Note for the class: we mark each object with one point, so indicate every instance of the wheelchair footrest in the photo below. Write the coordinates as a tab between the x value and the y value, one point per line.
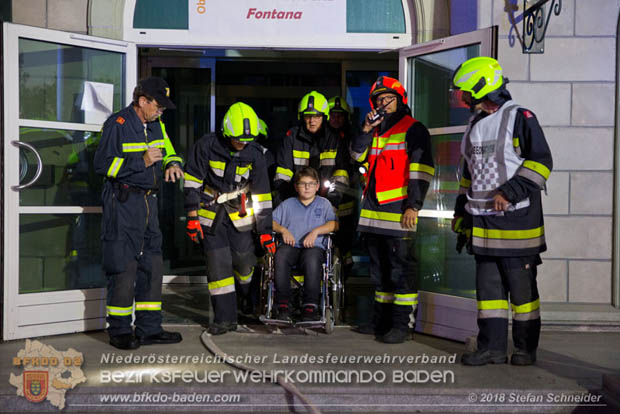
278	322
310	324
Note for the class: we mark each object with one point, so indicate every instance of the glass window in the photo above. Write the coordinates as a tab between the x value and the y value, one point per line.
52	76
161	14
375	16
441	269
430	82
68	177
59	252
445	186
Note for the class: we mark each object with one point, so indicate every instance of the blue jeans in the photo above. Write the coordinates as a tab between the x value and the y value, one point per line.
309	262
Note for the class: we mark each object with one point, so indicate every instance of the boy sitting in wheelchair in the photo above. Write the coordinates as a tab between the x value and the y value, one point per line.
302	221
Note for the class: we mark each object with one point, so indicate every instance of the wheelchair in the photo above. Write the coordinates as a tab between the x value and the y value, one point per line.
331	302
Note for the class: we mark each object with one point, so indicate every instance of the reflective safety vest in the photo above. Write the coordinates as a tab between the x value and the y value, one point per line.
389	162
492	159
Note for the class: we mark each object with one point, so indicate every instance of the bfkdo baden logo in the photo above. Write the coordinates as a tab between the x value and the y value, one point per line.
47	373
35	385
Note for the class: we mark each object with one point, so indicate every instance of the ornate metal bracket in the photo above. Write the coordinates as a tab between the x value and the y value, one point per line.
534	24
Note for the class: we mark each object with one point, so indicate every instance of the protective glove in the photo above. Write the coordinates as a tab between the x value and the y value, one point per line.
462	226
194	229
267	243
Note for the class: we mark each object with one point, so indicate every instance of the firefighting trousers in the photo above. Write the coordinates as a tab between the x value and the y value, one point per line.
229	255
344	237
132	261
393	271
497	280
309	262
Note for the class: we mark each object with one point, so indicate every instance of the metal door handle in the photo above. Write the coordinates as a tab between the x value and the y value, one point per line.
39	165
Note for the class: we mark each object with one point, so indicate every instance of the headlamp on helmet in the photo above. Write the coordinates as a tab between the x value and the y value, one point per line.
338	104
240	122
313	103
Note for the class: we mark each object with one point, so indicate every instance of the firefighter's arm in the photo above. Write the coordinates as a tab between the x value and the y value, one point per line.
533	173
171	161
261	195
284	161
360	146
464	185
284	167
109	158
421	165
195	171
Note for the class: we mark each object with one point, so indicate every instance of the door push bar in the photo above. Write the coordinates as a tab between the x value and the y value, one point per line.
39	165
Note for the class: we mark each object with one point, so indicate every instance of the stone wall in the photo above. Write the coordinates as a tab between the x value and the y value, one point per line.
67	15
571	88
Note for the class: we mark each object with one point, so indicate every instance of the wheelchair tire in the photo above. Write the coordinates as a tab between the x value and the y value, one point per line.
329	321
337	296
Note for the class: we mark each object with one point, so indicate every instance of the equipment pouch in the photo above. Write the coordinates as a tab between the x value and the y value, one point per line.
122	194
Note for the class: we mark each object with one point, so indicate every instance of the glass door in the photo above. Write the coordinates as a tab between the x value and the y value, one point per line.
58	90
447	305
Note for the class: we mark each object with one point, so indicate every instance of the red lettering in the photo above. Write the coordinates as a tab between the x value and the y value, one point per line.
273	14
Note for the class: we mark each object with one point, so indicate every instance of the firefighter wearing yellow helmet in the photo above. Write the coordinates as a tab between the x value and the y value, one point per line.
227	195
347	181
397	149
311	143
507	164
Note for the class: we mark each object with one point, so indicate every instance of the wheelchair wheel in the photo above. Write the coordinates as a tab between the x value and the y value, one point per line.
329	321
338	293
265	293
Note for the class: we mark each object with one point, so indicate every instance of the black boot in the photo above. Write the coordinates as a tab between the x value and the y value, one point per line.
397	336
125	341
381	321
483	357
164	337
523	357
220	328
403	320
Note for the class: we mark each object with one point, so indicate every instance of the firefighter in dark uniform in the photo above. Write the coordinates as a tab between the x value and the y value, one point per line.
311	144
346	179
227	195
507	164
397	149
133	152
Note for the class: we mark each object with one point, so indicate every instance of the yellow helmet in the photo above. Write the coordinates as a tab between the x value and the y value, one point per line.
479	76
313	103
263	129
338	104
240	122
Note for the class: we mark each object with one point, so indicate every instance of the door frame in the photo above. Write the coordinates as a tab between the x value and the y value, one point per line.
57	312
443	315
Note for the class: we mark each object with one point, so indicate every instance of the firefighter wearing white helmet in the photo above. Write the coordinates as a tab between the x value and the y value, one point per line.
312	144
227	195
499	212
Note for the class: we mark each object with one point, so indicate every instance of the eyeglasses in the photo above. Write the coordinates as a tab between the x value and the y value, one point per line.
307	185
386	98
159	107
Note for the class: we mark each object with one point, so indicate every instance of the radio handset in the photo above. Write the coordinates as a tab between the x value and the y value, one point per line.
380	112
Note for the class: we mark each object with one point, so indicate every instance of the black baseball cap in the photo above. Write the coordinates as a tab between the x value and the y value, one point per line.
158	89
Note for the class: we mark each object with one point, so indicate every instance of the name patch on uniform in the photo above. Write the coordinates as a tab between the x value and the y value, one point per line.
482	149
120	120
